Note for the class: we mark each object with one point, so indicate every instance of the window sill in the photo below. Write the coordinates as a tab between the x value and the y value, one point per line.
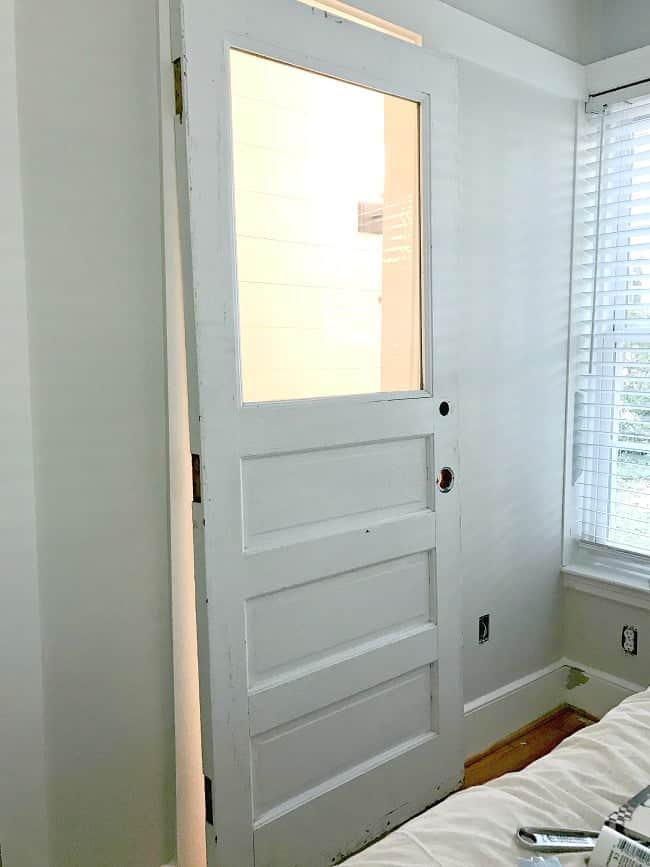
609	583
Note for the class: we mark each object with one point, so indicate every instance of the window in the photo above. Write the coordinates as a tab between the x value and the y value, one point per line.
611	330
360	16
327	212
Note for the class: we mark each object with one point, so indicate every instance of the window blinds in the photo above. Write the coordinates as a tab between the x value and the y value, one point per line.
611	326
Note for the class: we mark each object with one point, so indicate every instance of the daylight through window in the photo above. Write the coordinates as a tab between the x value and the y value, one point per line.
611	324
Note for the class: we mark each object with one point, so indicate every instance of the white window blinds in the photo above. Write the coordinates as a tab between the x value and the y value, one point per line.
611	321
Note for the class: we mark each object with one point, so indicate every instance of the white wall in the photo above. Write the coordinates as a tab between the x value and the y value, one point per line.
593	635
23	811
610	27
89	126
517	171
553	24
452	31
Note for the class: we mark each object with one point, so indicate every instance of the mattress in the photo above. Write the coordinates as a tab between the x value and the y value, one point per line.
575	786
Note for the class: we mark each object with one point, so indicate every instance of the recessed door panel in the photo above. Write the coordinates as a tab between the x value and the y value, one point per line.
304	491
335	614
293	761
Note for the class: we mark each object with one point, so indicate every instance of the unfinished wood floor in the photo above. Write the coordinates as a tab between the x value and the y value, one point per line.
525	745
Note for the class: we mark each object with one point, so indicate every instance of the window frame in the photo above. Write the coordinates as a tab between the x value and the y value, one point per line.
596	567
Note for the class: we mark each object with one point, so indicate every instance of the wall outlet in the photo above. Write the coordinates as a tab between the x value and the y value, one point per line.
630	640
483	628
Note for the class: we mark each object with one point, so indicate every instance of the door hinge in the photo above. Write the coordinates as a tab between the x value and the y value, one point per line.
196	478
209	813
178	88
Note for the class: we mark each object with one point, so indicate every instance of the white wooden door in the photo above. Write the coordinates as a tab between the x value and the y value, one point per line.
322	197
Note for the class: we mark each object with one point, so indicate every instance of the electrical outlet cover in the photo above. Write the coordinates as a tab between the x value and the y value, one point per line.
630	640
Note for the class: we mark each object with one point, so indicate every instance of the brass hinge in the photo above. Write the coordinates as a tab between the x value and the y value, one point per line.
178	88
196	478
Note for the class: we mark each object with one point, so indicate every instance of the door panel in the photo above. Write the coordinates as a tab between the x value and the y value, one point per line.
377	600
290	761
297	495
345	673
369	801
329	626
268	571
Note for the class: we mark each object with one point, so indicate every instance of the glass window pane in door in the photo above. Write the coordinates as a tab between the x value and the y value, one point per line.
327	210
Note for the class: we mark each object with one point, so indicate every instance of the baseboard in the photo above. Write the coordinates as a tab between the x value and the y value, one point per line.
595	691
493	717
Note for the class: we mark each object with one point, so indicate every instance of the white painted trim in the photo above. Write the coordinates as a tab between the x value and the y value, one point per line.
448	30
611	679
601	692
190	806
509	688
618	71
353	13
624	591
496	715
568	488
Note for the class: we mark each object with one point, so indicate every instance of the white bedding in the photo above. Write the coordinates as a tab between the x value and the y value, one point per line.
576	786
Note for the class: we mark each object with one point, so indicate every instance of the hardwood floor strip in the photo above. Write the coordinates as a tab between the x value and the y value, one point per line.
525	745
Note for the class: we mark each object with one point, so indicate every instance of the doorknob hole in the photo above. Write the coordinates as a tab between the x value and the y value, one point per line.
444	408
445	480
